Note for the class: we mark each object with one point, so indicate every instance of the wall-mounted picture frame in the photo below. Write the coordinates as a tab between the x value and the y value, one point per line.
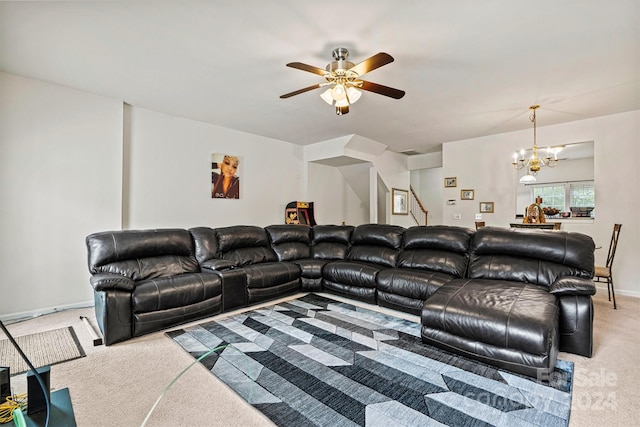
486	207
466	194
451	182
399	201
225	182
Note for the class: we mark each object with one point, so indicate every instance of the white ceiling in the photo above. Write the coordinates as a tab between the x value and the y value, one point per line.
470	68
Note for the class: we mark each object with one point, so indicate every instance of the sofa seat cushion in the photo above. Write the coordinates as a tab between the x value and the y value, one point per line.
270	274
353	279
416	284
406	289
176	291
353	273
513	325
311	268
271	280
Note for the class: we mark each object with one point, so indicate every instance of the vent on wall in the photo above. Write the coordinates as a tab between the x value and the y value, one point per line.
410	152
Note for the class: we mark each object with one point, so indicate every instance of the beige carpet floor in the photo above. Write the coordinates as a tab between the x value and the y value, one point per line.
118	385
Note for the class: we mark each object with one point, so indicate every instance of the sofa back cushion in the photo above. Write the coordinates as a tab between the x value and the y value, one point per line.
205	243
330	241
436	248
142	254
290	242
530	256
376	243
244	245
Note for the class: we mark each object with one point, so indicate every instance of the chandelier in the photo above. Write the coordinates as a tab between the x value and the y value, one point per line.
534	163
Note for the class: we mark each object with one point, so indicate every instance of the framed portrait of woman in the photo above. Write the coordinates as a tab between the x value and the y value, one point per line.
225	181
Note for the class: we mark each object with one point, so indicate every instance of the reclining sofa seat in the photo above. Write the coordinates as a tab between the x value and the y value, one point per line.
248	248
430	257
146	280
374	247
518	301
310	248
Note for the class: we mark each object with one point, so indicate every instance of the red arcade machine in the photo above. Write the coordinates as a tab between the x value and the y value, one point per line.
299	213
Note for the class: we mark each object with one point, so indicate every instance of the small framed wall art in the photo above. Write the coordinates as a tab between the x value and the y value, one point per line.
451	182
399	202
486	207
466	194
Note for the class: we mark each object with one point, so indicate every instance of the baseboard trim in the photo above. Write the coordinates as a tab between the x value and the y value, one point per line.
635	294
24	315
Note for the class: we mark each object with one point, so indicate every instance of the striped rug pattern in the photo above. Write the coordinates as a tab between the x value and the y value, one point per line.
317	361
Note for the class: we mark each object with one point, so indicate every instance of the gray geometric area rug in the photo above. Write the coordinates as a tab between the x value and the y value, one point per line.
42	348
318	361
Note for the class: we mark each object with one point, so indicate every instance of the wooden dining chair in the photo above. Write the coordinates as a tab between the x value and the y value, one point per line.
604	274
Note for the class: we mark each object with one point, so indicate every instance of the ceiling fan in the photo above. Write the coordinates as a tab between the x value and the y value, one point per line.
343	79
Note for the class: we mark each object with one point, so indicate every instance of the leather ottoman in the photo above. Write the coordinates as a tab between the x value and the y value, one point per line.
512	325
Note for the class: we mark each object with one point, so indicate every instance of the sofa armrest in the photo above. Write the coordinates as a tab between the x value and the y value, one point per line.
570	285
217	264
104	281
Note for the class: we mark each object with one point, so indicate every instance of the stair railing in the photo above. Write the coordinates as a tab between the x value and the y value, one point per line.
418	212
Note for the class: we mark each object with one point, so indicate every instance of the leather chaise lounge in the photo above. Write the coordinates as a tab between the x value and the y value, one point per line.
511	298
524	298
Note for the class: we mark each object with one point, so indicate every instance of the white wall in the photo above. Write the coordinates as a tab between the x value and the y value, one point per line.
334	199
169	174
484	164
324	186
60	175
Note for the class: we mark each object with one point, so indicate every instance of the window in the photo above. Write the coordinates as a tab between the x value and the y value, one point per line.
564	196
583	194
552	195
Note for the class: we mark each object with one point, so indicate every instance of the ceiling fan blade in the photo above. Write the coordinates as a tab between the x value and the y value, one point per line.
382	90
299	91
376	61
309	68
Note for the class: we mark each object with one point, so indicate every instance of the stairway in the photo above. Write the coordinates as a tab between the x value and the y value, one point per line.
416	208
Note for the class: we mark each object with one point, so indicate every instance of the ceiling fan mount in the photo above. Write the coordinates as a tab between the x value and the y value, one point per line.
340	63
344	80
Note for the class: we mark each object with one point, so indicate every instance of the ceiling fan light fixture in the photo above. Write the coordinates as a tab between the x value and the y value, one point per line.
353	94
344	80
326	96
342	103
339	92
342	110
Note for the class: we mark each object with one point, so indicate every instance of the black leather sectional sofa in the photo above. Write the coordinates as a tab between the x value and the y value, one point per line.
512	298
